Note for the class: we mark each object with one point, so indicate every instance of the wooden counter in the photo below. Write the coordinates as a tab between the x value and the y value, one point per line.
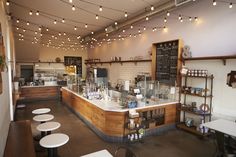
110	122
39	92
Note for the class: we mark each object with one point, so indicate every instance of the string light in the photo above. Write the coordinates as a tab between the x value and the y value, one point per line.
30	13
126	15
231	5
147	18
75	28
40	28
190	18
17	28
139	30
144	28
92	32
37	13
123	31
24	30
100	8
27	23
73	8
168	13
152	8
47	29
70	1
196	19
96	17
63	20
165	20
181	20
106	29
17	21
86	26
55	22
131	26
180	17
7	3
116	23
214	3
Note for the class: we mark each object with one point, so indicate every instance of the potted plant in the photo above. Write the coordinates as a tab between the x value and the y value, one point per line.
3	63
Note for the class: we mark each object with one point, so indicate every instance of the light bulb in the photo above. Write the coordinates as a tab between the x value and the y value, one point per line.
64	33
24	30
180	17
17	21
196	19
231	5
55	22
63	20
59	34
7	3
78	37
73	8
144	28
126	15
106	29
123	31
100	8
70	1
190	18
168	13
147	18
92	32
30	13
96	17
75	28
152	8
107	35
139	30
131	26
40	28
165	20
27	23
214	3
86	26
116	23
47	29
37	13
17	28
181	20
35	32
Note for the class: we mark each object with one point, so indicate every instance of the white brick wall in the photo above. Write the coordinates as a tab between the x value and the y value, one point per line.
125	71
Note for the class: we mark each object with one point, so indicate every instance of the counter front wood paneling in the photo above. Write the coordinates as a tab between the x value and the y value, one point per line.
110	123
42	92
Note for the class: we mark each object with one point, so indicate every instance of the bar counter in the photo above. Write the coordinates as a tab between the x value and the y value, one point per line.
108	119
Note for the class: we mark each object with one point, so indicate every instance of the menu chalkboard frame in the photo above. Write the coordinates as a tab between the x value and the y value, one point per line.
74	60
165	61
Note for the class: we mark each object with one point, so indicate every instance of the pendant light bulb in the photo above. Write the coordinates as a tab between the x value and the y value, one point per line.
190	19
196	19
131	26
27	23
126	15
96	17
73	8
70	1
231	5
63	20
37	13
86	26
168	13
17	21
214	3
165	19
75	28
55	22
152	8
47	29
116	23
100	8
147	18
7	3
144	28
180	17
30	13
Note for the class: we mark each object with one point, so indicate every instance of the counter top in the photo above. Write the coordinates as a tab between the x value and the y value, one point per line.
114	106
39	86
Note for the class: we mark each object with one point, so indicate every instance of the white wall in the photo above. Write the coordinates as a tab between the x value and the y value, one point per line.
212	35
5	97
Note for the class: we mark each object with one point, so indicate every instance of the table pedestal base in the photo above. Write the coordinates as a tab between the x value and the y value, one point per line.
52	152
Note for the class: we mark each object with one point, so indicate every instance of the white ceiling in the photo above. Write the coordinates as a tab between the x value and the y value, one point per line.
85	13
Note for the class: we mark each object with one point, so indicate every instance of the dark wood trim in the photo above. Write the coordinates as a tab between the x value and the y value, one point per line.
124	61
223	58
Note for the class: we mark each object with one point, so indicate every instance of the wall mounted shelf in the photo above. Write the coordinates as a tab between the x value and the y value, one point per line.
120	62
39	62
223	58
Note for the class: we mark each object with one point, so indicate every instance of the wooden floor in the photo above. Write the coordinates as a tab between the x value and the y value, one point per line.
175	143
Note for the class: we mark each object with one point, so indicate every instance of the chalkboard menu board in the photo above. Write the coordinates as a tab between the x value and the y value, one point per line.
167	61
77	61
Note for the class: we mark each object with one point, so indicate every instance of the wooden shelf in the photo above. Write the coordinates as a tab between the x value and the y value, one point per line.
190	129
184	92
121	62
192	112
40	62
223	58
208	76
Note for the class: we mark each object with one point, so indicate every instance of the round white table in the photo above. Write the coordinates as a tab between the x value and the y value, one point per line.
43	118
41	111
48	127
52	142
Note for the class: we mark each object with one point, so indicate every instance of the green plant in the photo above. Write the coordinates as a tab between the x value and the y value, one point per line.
3	63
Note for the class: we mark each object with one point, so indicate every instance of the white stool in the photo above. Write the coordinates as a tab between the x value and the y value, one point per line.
41	111
42	118
52	142
48	127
